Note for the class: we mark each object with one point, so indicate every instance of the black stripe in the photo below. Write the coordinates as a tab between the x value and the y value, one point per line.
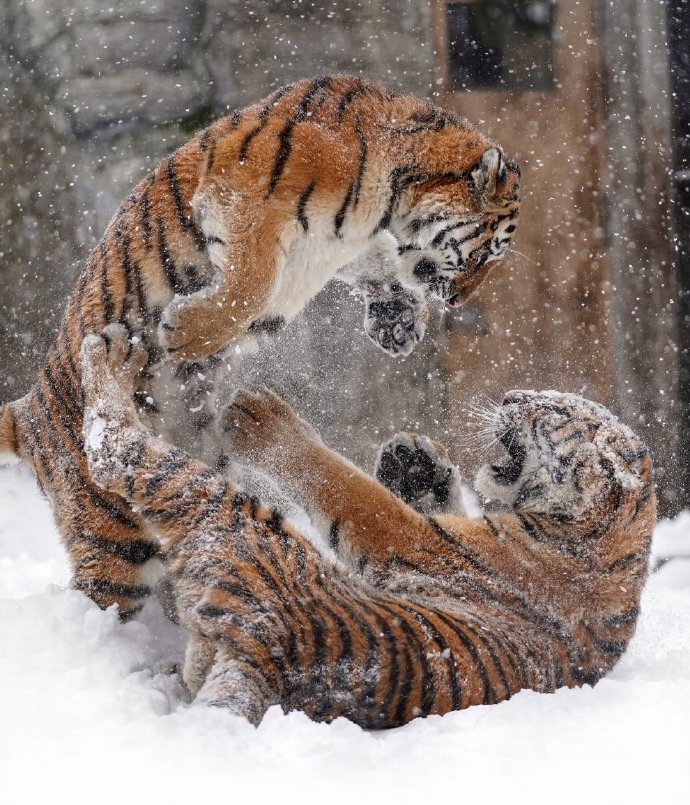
142	302
291	551
262	117
417	224
90	292
55	382
285	136
400	176
132	271
281	585
627	561
393	676
244	411
136	551
344	661
302	203
621	619
334	535
284	149
488	696
125	260
483	638
113	588
69	350
340	215
145	207
167	261
494	531
610	647
428	626
133	456
36	447
61	374
317	627
127	614
489	594
232	124
108	306
185	219
109	508
455	242
357	611
204	138
162	473
432	120
363	151
214	239
426	674
63	414
347	99
537	532
403	694
645	496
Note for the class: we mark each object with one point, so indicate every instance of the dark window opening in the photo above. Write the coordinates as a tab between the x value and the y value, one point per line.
501	44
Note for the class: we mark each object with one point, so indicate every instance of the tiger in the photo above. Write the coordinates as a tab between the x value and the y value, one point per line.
227	240
402	612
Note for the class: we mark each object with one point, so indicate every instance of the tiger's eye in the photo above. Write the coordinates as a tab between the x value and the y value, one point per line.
425	269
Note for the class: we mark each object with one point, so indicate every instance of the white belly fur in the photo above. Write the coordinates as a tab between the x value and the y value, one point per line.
311	260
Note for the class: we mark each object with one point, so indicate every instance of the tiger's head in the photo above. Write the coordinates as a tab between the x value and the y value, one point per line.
567	457
457	227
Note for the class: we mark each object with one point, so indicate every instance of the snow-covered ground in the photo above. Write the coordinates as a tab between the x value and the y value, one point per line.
86	715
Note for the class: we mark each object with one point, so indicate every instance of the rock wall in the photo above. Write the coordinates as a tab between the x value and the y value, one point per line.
92	95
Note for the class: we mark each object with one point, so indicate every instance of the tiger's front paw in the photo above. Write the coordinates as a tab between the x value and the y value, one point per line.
421	473
110	365
395	318
189	330
262	428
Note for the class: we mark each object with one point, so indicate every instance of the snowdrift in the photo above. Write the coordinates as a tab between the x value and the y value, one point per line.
90	715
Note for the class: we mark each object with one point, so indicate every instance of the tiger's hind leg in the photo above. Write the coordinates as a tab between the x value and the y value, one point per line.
113	556
198	661
237	685
420	472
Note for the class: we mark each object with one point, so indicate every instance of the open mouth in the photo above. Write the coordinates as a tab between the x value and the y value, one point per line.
455	301
508	473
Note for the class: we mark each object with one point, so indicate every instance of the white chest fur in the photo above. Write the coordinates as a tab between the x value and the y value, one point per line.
308	262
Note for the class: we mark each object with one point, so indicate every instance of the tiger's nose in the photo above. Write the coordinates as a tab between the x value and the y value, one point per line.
517	396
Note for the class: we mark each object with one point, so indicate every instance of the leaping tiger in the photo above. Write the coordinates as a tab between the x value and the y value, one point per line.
421	613
228	238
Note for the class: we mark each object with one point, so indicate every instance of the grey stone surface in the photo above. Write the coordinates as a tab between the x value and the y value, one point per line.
132	96
93	94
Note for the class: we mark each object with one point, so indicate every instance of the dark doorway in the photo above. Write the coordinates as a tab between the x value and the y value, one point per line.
679	43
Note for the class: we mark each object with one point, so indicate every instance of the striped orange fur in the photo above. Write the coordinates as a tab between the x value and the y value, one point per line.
228	238
419	614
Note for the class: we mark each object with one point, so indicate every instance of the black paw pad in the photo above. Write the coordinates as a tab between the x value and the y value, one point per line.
393	321
415	475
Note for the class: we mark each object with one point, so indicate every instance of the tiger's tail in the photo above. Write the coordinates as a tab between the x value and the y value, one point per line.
8	434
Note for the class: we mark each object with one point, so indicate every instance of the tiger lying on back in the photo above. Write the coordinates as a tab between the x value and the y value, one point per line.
421	614
229	238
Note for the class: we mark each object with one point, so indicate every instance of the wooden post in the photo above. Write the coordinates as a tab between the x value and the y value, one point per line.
644	294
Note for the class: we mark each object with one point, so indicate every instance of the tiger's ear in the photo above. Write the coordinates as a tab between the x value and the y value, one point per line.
488	173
